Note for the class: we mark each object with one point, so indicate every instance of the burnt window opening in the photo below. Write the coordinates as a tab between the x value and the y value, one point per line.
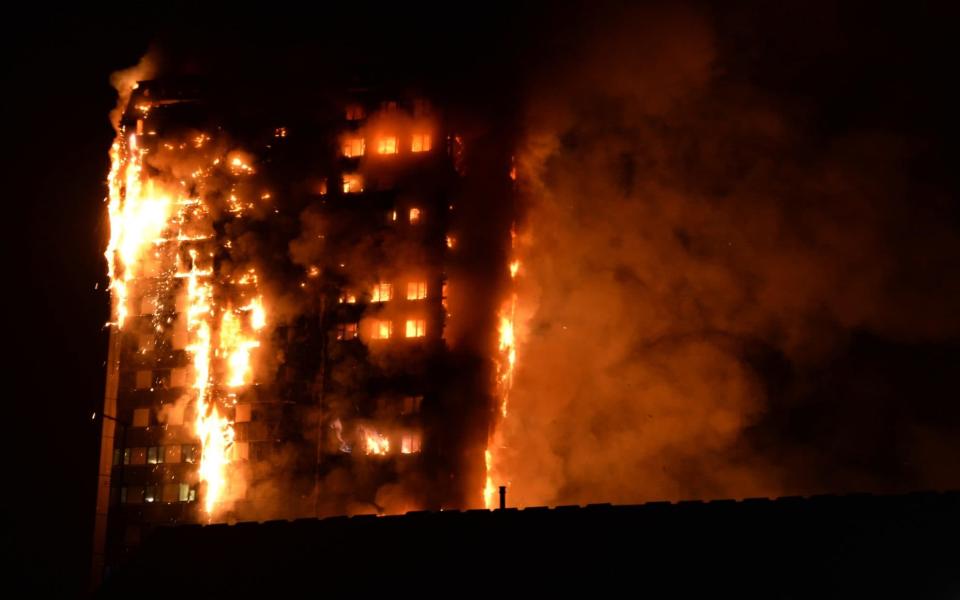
411	405
353	146
382	292
346	331
352	183
354	112
188	453
410	442
414	216
382	329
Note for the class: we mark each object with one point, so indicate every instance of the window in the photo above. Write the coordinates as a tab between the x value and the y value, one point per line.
382	330
242	413
388	105
280	132
126	456
144	380
188	452
414	215
117	456
416	328
355	112
320	187
410	443
420	107
170	493
155	455
131	495
388	144
353	146
352	183
186	493
178	378
171	454
148	305
411	405
348	297
150	493
382	292
392	215
420	142
241	451
416	290
141	416
346	331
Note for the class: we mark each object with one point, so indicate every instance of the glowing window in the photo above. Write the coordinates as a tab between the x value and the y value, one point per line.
155	455
346	331
353	146
320	187
352	183
382	292
410	443
420	142
348	298
388	145
186	494
414	215
150	494
416	290
354	112
138	456
382	330
242	414
416	328
188	453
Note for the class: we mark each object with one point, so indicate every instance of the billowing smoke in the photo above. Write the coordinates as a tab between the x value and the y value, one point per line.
717	300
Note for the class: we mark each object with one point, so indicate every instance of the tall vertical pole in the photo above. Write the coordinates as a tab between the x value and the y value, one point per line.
107	438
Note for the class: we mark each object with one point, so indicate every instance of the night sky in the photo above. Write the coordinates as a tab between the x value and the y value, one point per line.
857	67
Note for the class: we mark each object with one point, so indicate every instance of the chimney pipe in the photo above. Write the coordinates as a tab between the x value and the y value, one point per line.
503	497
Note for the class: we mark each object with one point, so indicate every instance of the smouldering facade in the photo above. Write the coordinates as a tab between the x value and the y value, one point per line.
280	280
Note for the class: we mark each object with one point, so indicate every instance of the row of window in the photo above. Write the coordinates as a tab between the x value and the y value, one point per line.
356	112
156	455
382	329
354	145
383	292
168	493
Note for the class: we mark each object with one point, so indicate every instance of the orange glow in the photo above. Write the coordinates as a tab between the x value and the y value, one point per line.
382	292
382	329
420	142
414	215
374	443
353	146
352	183
416	328
388	145
416	290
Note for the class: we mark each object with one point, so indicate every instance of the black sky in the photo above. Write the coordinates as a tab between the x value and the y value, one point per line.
855	66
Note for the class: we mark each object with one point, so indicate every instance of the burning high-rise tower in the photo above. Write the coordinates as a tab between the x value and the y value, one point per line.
285	338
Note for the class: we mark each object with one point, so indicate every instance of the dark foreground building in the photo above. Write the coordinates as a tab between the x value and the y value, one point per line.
824	546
